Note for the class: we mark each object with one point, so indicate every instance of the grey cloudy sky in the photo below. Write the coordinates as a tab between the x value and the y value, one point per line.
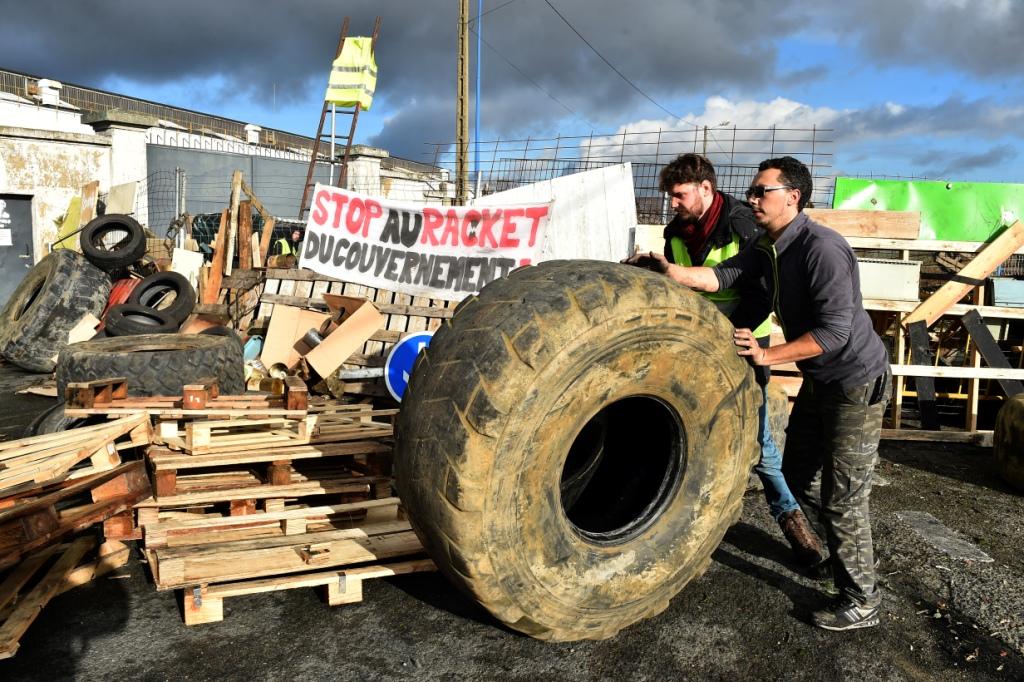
940	78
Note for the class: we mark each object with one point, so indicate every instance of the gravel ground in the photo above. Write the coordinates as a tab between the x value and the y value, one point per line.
746	618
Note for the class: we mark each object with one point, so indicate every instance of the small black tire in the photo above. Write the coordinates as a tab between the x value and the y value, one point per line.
570	375
52	298
221	330
151	291
1008	442
128	249
155	364
128	319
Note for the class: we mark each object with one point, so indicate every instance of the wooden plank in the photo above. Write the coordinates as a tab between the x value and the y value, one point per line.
268	232
26	611
992	353
925	245
158	534
980	267
878	224
925	385
235	589
385	308
112	555
982	438
90	193
934	372
260	492
957	310
28	567
191	567
244	235
236	196
211	290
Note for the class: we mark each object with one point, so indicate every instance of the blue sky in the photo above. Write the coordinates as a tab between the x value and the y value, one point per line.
928	88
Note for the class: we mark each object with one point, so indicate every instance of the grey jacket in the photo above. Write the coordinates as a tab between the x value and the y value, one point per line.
814	287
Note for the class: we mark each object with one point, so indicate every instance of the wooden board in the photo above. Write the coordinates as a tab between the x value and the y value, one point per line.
178	567
876	224
27	609
205	604
978	269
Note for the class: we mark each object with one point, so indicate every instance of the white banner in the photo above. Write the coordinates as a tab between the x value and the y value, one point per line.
436	251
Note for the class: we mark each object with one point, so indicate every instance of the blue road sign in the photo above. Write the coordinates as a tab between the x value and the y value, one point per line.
399	363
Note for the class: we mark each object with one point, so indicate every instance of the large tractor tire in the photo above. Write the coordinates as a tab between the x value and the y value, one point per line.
53	297
155	364
1008	442
574	444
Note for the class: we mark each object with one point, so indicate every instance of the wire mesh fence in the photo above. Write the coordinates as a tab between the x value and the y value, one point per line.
735	153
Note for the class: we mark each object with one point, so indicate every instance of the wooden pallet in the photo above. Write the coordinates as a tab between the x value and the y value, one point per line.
44	518
277	463
177	567
39	459
205	603
38	578
242	491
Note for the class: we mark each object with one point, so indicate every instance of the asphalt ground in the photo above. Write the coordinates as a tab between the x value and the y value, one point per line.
944	618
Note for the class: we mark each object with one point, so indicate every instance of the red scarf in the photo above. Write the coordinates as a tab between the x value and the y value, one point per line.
695	235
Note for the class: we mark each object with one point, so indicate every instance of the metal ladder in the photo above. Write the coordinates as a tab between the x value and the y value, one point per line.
332	136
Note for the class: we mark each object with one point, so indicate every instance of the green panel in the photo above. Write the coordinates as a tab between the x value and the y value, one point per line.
953	211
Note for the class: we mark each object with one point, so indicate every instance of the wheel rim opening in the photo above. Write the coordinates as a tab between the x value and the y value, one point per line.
112	239
159	297
622	469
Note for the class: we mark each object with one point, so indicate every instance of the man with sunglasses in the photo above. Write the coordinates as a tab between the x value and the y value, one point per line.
710	227
835	426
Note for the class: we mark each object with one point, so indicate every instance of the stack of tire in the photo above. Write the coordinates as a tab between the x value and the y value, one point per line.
156	305
141	324
141	344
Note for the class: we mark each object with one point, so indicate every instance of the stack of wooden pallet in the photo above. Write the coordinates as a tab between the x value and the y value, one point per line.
52	488
255	494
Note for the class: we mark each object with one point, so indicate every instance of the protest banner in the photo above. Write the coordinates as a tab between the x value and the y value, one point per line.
443	252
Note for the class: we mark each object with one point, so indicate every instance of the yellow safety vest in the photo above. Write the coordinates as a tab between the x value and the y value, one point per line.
353	75
284	246
726	297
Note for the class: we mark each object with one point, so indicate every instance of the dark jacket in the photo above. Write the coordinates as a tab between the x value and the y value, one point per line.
734	219
814	287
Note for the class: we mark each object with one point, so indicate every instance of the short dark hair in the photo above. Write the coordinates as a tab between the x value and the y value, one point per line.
687	168
794	173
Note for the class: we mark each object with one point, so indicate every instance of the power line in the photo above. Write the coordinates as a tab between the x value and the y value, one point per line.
493	9
612	66
532	81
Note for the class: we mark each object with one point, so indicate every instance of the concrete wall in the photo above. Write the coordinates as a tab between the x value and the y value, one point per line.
51	167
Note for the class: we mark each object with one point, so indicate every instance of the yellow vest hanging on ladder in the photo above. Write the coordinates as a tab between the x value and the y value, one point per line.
353	74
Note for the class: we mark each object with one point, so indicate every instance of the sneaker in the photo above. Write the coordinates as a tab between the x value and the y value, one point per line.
802	538
844	614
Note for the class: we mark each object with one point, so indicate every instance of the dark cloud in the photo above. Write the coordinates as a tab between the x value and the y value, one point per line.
669	49
945	164
953	117
980	37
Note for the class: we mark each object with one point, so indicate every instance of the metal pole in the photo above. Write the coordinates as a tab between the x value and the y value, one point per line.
476	127
461	107
334	112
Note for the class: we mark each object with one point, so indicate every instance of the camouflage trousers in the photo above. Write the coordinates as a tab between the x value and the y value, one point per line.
831	450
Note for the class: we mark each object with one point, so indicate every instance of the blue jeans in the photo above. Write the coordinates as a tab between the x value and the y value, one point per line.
769	467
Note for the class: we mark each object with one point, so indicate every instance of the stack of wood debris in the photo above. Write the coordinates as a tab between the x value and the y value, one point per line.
258	493
54	489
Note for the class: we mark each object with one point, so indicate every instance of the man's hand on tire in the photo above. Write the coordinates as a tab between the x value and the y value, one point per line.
655	262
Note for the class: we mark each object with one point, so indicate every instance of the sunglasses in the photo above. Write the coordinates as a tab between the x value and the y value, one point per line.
758	191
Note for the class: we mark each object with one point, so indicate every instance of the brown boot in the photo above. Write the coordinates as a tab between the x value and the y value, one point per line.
803	539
